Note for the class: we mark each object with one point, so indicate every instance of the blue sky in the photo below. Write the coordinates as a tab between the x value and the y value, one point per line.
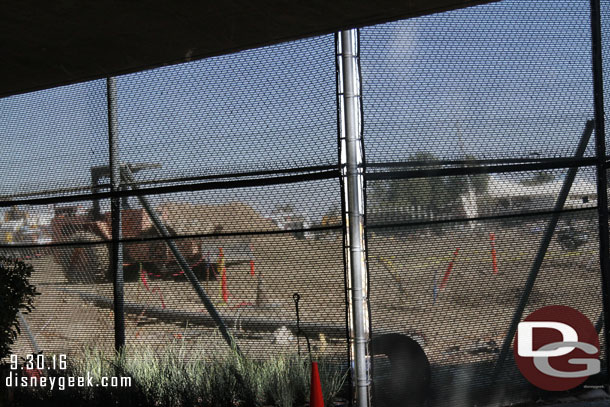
501	80
508	78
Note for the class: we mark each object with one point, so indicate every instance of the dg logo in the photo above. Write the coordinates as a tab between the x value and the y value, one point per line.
557	348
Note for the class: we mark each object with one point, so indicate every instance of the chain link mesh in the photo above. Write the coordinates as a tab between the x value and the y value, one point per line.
238	158
471	119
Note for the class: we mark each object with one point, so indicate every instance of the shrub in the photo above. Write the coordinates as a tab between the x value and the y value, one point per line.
17	295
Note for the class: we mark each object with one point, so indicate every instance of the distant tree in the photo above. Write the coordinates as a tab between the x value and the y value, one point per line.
332	216
283	209
433	193
462	184
424	192
480	182
539	178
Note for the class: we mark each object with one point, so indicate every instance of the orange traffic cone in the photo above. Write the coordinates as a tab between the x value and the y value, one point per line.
315	394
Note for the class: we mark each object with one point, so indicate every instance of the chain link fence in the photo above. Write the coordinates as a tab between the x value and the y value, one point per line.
478	129
236	156
476	121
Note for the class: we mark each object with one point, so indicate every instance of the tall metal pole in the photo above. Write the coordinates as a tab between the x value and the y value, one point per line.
115	211
600	150
352	144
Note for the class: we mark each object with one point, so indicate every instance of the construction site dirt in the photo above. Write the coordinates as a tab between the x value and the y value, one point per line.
457	304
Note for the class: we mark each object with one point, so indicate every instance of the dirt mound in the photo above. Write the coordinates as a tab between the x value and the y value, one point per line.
186	218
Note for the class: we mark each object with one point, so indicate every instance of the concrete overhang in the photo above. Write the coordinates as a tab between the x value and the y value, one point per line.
50	43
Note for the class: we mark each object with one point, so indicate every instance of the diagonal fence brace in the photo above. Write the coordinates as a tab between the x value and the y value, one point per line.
544	245
128	176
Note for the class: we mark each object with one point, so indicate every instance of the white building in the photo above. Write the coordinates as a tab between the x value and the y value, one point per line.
512	195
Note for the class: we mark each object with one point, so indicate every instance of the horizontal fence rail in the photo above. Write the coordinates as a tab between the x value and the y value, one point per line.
473	194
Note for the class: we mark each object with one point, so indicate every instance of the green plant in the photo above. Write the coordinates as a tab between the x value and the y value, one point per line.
17	295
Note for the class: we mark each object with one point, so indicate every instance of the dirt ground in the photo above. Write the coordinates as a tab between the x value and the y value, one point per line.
467	319
66	320
461	323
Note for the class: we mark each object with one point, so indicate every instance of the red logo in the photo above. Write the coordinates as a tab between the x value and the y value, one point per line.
556	348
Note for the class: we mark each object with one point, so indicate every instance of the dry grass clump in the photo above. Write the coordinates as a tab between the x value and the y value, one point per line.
174	377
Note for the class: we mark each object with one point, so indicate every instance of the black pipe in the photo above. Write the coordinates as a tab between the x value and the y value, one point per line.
116	253
600	150
472	170
544	245
315	176
128	176
170	189
506	216
479	162
392	164
251	323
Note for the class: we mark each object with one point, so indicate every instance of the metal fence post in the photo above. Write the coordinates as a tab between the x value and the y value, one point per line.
352	171
116	252
600	150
